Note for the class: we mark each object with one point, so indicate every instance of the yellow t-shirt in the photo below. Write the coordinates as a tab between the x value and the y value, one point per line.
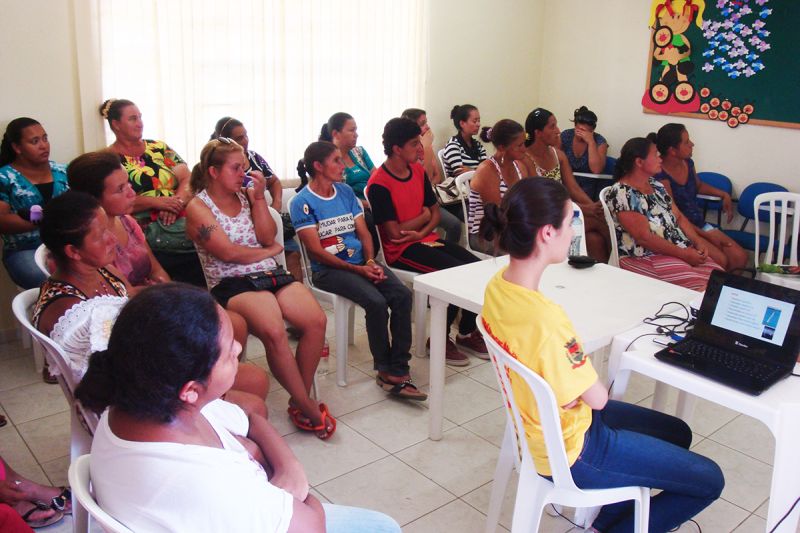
538	333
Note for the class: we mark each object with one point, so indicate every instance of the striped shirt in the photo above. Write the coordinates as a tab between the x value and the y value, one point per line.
475	214
457	154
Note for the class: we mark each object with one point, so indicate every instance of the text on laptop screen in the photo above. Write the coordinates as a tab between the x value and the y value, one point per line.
756	316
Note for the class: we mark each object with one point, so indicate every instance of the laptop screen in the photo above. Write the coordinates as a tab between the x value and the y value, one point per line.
754	315
750	316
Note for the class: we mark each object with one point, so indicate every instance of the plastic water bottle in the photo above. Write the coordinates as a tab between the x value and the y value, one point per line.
324	360
577	227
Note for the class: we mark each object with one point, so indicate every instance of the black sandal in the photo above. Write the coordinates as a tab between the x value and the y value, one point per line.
396	389
57	516
60	502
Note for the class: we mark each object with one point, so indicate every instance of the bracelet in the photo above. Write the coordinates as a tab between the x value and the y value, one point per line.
371	262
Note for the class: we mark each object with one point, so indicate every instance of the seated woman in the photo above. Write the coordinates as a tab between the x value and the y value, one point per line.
608	443
168	455
235	130
585	149
495	175
680	179
406	213
543	158
28	180
450	221
330	224
463	152
25	504
82	298
160	179
341	130
653	237
235	238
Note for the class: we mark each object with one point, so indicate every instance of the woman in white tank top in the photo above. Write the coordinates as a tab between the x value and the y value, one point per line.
495	175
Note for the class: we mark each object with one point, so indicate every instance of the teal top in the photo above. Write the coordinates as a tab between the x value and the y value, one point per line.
19	193
358	175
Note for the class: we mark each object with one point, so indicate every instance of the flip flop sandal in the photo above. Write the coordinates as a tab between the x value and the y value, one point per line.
44	522
62	502
396	389
301	421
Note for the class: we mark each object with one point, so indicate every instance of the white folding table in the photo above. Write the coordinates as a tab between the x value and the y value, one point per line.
778	408
601	301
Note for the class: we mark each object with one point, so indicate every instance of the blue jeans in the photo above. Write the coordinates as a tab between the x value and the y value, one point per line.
22	268
629	445
377	299
451	225
343	519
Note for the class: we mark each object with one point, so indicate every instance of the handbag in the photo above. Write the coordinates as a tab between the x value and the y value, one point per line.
447	192
170	238
271	280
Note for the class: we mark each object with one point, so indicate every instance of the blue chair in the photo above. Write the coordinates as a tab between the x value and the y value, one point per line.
746	208
719	181
611	162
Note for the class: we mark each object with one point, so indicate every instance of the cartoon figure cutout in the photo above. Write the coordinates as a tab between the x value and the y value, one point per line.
674	90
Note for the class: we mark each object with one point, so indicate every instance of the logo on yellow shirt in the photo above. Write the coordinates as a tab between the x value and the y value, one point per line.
575	353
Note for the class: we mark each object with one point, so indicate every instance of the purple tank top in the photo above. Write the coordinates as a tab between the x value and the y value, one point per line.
685	196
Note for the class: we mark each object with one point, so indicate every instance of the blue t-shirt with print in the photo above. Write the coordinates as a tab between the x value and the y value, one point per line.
334	219
19	193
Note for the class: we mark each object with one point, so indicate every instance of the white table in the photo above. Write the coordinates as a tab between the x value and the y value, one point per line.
778	408
601	301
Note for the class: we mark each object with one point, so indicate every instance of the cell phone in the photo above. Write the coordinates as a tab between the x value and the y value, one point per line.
247	180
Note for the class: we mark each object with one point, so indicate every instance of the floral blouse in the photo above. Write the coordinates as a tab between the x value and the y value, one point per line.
656	207
151	173
19	193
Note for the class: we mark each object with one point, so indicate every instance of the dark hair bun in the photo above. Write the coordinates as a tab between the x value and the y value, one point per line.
96	389
493	222
486	134
652	137
454	111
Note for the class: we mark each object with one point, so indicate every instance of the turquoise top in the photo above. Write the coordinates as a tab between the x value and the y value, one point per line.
19	193
357	175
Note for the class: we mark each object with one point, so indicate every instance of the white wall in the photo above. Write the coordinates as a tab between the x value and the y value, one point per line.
598	58
37	52
486	54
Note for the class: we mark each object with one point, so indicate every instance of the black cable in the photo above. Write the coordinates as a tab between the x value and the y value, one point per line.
786	515
564	517
699	529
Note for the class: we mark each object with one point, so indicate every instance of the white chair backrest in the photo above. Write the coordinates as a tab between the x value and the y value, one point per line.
440	158
281	257
80	483
305	260
613	259
784	227
462	185
580	234
288	194
22	307
547	407
40	258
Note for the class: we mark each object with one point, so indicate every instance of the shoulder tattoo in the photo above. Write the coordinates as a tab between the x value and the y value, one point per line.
204	233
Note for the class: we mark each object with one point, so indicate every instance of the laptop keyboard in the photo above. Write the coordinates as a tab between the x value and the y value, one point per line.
730	360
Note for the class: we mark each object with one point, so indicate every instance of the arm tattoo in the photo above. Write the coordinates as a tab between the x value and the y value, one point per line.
204	233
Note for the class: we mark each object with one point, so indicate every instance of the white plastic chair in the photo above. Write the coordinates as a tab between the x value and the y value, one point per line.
80	439
613	259
462	184
343	314
533	491
80	481
40	258
784	229
440	158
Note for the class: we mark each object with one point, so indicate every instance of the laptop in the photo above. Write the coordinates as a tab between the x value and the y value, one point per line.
747	334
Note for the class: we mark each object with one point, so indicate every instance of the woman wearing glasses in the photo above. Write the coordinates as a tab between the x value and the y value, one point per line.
544	158
235	237
160	179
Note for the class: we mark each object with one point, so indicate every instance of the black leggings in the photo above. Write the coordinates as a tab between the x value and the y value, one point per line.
420	257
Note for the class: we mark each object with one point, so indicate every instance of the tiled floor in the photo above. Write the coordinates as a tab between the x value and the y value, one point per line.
380	456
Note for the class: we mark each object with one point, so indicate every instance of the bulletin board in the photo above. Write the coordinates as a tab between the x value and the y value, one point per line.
736	62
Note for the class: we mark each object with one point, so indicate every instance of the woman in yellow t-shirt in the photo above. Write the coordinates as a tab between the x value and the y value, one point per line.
608	443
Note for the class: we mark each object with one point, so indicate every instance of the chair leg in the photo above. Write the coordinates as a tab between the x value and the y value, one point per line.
420	310
642	511
341	315
530	503
351	320
502	474
80	444
24	336
38	356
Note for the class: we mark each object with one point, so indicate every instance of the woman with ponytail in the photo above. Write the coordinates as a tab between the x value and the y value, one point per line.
330	223
235	237
653	237
495	175
608	443
169	454
463	152
28	180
